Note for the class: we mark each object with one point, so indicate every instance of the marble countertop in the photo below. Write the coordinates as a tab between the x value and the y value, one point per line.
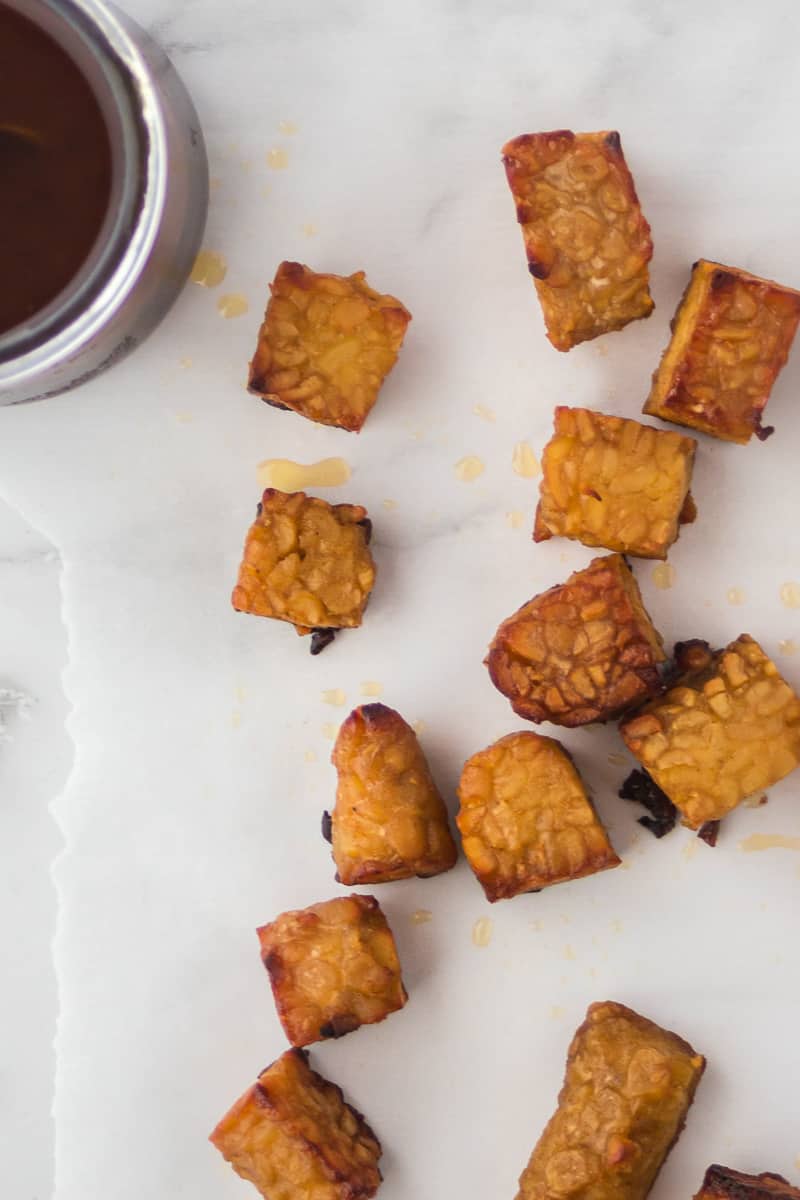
161	796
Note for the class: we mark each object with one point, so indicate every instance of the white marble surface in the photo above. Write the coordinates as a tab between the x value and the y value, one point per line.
191	813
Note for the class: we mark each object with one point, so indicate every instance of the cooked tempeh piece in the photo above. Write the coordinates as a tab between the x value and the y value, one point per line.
731	335
721	1183
627	1090
608	481
293	1136
583	651
526	820
326	345
307	562
332	966
720	734
587	243
389	821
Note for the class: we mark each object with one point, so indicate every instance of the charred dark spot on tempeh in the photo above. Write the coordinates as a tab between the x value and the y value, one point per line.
641	789
708	832
320	638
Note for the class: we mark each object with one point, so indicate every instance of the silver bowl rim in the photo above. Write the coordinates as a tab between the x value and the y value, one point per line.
84	308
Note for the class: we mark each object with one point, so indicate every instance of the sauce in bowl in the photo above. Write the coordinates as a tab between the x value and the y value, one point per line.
55	169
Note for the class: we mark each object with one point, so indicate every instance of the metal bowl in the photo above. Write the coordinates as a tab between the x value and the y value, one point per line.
159	200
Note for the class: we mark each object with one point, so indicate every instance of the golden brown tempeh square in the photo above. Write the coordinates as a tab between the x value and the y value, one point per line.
583	651
333	967
627	1090
307	562
608	481
731	335
720	734
326	345
526	820
721	1183
390	821
587	242
293	1136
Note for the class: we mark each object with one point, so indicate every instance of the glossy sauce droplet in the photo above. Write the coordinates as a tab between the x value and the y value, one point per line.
788	646
418	727
277	159
790	595
663	576
524	462
422	916
556	1012
184	363
469	468
371	687
232	304
735	596
328	730
309	229
334	696
482	932
768	841
617	760
515	519
569	953
310	756
484	413
288	476
209	269
287	127
390	505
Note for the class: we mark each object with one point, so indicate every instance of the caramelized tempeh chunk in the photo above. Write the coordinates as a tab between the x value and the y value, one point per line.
608	481
720	734
587	243
293	1136
332	967
526	821
583	651
731	335
627	1090
307	562
389	821
326	345
721	1183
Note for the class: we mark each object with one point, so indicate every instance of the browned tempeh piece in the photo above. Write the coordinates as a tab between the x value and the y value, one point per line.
587	242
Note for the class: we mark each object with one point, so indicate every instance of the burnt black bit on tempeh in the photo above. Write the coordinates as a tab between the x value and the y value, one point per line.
763	432
366	525
327	826
708	832
641	789
688	658
320	638
338	1026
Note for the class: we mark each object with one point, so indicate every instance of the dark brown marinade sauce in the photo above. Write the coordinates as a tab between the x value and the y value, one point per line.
55	169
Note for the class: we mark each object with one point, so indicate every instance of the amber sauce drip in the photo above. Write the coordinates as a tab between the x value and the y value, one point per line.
55	169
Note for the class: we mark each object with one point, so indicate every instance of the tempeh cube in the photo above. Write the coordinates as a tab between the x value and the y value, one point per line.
294	1137
720	734
583	651
608	481
526	820
333	967
326	345
390	821
731	335
587	242
307	562
721	1183
627	1090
